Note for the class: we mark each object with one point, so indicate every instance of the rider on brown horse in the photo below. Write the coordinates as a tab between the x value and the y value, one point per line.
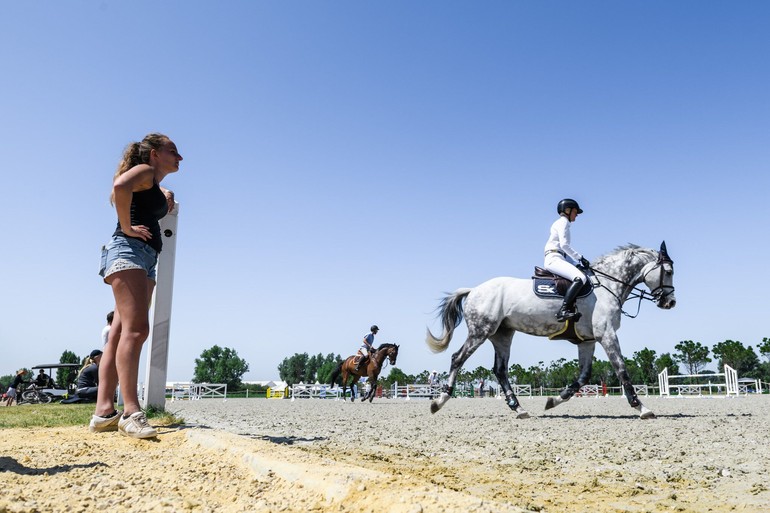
367	347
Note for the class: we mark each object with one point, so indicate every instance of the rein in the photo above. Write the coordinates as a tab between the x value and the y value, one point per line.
635	292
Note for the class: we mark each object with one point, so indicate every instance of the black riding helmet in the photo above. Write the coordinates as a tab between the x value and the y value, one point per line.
374	328
568	203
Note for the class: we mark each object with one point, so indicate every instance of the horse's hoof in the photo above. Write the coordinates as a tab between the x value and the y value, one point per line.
647	415
434	407
522	414
550	403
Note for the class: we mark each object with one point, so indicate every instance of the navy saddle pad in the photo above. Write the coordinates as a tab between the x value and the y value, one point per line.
555	287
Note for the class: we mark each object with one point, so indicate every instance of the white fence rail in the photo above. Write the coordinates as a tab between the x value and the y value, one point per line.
302	391
196	391
416	391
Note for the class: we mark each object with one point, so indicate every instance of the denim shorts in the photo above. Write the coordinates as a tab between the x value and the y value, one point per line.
123	253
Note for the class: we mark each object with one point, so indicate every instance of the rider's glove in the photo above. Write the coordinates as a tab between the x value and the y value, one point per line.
584	262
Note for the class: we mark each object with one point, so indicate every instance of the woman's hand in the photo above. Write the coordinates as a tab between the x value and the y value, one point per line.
139	231
169	199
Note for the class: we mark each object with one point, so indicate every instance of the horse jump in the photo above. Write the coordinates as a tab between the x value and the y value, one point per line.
696	390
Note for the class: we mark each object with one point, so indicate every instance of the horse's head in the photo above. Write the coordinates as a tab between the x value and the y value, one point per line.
390	351
659	277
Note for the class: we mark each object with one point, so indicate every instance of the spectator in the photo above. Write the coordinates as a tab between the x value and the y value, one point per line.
13	388
43	380
129	264
88	379
106	329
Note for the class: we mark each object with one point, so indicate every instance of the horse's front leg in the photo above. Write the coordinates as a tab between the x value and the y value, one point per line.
585	360
612	348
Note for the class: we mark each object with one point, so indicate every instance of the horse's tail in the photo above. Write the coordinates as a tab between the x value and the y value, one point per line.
451	313
336	373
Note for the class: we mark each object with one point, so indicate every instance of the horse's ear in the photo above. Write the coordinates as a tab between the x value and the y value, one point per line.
664	253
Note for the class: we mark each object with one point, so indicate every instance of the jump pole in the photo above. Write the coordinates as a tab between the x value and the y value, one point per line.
157	361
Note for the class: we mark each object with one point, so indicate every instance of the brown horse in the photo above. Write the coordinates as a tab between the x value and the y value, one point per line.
371	369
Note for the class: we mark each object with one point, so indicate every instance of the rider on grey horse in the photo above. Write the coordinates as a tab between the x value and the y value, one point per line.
557	252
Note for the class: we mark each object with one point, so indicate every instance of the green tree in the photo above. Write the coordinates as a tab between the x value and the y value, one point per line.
764	348
645	361
633	370
603	372
693	355
66	376
481	373
666	361
561	373
535	375
327	367
396	375
764	367
5	381
292	369
220	365
733	353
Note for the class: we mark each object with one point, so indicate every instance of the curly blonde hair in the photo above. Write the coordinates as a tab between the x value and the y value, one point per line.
138	153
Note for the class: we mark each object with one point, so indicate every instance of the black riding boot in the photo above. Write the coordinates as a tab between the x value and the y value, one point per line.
568	306
358	365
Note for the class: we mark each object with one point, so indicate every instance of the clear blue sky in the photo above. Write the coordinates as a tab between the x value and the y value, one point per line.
346	163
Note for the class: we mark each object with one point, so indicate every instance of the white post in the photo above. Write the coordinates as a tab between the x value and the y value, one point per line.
731	381
663	382
157	361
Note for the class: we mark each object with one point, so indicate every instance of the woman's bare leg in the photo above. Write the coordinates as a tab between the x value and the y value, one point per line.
108	374
132	290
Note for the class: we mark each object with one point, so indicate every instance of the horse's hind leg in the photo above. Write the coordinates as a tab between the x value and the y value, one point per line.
502	343
458	359
585	359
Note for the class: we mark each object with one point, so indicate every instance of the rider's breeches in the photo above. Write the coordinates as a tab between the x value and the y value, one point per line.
556	263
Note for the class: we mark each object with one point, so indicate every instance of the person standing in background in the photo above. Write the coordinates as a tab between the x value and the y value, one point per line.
106	329
13	388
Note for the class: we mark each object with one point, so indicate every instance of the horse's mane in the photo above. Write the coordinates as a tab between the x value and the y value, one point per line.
626	251
386	346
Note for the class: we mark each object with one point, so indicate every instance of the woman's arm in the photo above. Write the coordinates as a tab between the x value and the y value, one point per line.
138	178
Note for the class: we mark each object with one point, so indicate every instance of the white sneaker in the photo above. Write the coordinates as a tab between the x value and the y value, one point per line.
102	424
136	426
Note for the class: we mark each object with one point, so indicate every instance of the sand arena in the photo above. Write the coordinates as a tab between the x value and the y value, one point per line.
592	455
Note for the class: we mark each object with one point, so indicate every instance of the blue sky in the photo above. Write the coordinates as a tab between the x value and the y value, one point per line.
346	163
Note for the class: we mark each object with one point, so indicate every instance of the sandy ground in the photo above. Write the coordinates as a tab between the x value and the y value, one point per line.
588	455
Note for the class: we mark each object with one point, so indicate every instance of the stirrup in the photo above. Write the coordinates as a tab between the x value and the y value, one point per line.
566	315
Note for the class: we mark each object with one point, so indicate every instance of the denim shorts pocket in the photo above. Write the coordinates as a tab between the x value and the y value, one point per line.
103	264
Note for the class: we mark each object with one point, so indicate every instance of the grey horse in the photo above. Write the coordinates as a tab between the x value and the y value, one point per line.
500	307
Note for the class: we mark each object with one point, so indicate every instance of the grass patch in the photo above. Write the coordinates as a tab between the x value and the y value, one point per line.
45	415
162	417
63	415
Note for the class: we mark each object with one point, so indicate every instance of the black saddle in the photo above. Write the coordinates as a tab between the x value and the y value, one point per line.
545	284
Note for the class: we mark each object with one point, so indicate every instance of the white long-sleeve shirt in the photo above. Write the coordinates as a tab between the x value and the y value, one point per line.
559	239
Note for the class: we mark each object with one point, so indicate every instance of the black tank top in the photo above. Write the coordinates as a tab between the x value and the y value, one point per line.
147	208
